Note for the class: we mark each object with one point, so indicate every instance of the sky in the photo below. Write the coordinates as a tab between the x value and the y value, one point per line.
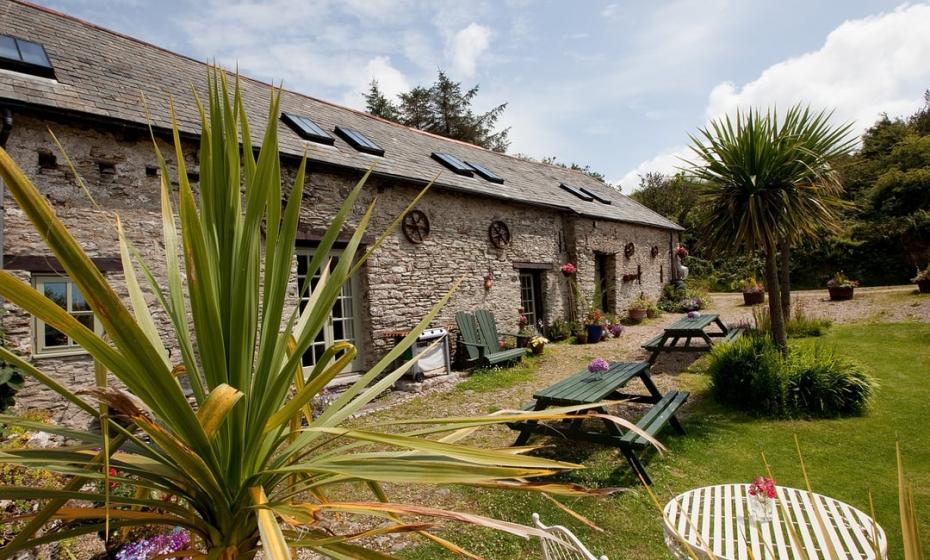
618	86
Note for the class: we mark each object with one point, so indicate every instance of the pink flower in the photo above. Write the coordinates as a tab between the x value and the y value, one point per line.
681	251
568	268
598	365
763	486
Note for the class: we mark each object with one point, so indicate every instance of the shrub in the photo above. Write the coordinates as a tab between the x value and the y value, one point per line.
11	381
559	329
681	297
748	374
823	384
800	324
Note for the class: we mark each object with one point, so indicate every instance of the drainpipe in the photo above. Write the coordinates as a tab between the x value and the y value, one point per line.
6	125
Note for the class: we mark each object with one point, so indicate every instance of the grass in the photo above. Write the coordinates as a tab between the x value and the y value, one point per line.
483	380
846	458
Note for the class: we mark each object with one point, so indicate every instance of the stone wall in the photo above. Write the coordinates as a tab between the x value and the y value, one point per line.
401	282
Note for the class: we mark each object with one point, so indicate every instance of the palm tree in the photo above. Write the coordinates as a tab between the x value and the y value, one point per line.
769	183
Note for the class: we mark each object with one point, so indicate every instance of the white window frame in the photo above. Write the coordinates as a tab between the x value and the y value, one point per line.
38	325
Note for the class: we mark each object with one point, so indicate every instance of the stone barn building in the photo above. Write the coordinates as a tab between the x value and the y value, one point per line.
489	214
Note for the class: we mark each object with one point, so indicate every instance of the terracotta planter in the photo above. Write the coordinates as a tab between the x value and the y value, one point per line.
581	338
537	349
841	294
753	298
924	286
595	332
652	313
637	314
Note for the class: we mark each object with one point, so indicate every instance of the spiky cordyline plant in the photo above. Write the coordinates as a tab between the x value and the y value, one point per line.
246	465
769	181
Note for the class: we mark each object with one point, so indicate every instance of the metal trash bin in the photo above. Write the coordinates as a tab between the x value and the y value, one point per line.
433	362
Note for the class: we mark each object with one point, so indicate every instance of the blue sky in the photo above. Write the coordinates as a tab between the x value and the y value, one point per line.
617	85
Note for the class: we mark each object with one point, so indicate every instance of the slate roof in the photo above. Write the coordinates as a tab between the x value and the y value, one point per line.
103	73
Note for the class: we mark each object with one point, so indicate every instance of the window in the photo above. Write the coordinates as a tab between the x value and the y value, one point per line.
342	322
24	56
575	191
486	173
359	141
455	164
307	129
595	196
61	290
531	296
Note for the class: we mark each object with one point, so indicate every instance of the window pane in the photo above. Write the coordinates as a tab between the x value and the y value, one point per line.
33	53
54	338
8	48
57	292
78	303
86	319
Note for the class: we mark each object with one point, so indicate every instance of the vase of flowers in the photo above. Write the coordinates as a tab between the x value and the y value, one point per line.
598	366
840	287
923	280
762	500
569	269
523	332
594	325
753	291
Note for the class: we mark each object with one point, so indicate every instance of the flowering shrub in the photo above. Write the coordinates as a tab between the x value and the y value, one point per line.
159	545
681	251
598	365
763	486
615	330
751	286
594	317
568	269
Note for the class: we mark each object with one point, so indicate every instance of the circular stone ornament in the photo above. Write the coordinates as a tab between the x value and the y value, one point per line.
416	227
499	234
629	250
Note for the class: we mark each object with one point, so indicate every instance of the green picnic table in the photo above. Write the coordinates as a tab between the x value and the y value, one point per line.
589	388
687	329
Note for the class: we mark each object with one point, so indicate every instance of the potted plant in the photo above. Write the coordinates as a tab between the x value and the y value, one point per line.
753	291
923	280
581	335
537	344
638	308
594	325
524	333
599	366
840	287
653	310
568	269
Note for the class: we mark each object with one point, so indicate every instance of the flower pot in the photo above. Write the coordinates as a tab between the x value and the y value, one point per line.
537	349
522	341
581	338
595	332
924	286
841	293
637	314
753	298
652	313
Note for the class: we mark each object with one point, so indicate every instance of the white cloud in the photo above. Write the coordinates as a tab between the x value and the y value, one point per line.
864	68
390	80
465	47
667	162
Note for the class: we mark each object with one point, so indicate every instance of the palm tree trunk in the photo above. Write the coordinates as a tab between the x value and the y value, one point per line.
775	309
784	273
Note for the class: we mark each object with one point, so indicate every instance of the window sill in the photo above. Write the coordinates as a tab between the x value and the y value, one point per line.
61	354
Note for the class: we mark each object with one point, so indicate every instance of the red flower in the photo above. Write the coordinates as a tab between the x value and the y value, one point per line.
568	268
764	486
681	251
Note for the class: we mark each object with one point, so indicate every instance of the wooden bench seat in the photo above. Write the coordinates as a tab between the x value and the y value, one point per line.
654	343
503	356
733	334
656	419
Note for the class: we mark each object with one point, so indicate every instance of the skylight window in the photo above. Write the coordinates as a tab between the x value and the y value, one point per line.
595	196
359	141
455	164
307	129
24	56
575	191
486	173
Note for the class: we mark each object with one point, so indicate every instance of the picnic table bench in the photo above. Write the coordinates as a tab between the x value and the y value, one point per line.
687	329
589	388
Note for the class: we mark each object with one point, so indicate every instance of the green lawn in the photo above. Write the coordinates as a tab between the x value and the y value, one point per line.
846	458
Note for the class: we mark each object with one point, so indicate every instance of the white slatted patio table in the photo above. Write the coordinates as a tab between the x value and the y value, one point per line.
714	522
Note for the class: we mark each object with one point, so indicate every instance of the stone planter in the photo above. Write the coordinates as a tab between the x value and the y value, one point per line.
841	294
924	286
637	314
753	298
595	332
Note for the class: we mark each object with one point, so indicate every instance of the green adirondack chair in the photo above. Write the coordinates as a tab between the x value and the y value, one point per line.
479	349
487	328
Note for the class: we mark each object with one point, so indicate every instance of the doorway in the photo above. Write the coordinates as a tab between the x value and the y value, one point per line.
605	281
531	298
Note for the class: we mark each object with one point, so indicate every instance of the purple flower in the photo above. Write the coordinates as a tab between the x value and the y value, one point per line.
693	314
598	365
145	549
616	330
